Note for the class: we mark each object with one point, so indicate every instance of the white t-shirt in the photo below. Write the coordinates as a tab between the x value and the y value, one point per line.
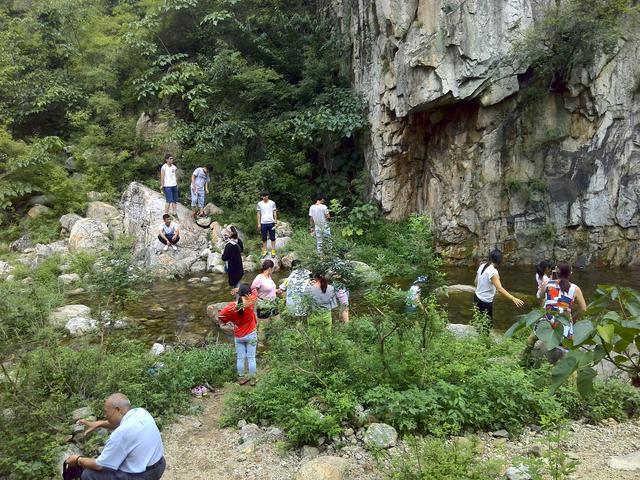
169	175
266	211
319	214
169	229
485	289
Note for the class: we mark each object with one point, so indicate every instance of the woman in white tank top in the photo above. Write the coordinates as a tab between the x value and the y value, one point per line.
487	283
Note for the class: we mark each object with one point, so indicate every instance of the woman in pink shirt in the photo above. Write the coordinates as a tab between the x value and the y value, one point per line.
265	288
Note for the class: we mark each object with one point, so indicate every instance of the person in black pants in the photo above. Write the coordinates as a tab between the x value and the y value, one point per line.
232	255
487	283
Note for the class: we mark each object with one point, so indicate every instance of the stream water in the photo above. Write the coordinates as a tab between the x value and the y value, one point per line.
176	310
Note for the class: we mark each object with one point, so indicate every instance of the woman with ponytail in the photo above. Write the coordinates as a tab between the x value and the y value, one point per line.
560	296
241	314
232	256
323	299
487	282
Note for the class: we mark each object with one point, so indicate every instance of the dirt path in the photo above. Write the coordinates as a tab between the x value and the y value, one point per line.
196	448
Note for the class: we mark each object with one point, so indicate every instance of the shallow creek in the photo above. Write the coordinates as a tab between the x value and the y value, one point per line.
176	309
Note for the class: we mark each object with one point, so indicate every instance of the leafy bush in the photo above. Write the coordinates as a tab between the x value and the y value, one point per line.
52	380
434	459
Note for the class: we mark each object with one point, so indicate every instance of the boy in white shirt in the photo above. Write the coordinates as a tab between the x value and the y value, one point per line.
267	217
169	185
169	233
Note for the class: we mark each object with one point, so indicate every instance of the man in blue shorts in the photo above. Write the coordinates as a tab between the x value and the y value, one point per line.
267	217
169	185
199	188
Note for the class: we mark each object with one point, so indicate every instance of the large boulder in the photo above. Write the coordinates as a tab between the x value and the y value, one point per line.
629	462
288	259
21	244
324	468
284	229
38	211
77	326
212	210
107	214
380	435
142	210
89	234
281	242
102	211
460	330
60	316
35	256
214	259
68	220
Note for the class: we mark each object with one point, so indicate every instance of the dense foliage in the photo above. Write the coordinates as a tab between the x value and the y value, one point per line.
252	88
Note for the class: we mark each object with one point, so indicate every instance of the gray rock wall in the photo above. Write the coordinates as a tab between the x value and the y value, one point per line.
451	137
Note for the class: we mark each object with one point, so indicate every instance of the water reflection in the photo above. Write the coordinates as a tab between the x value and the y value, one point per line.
176	309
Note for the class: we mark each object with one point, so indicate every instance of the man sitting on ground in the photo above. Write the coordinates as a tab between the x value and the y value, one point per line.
169	233
133	451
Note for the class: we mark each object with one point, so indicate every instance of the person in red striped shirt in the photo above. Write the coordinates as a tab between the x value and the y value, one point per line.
242	315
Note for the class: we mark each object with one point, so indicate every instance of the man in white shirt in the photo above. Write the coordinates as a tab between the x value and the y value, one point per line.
318	219
133	451
267	216
169	185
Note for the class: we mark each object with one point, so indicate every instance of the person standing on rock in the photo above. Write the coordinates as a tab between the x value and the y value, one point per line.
199	188
232	256
243	317
169	233
323	299
169	185
133	451
487	282
318	220
267	217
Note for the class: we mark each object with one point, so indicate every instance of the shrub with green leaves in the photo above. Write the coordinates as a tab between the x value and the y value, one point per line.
435	459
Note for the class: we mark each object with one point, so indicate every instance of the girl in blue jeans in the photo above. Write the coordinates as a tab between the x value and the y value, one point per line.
242	315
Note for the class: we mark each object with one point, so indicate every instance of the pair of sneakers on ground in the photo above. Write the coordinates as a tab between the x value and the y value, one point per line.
264	252
166	247
250	380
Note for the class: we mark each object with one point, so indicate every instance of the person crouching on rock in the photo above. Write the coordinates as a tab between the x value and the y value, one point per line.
133	451
169	233
242	315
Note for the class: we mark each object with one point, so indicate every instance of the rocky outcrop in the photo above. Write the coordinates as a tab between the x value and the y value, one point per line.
452	137
142	210
88	234
60	316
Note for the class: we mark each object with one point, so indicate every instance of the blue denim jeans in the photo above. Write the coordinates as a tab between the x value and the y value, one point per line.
246	349
197	197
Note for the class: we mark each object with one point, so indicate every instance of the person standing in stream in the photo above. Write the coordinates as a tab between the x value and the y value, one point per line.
487	282
267	217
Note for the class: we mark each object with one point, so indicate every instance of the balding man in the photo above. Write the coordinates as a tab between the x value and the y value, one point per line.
134	449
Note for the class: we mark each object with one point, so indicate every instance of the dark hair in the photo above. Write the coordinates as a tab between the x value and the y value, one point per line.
209	168
563	269
234	232
165	216
243	291
321	196
543	266
264	194
323	281
167	156
295	263
267	264
494	257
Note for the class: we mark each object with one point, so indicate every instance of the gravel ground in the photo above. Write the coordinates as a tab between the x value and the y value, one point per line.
196	448
590	445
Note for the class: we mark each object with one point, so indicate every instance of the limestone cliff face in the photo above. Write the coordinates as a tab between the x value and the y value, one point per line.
451	137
